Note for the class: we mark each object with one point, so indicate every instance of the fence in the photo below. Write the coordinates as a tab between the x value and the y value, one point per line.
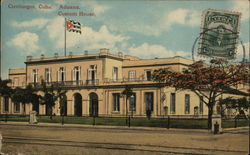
166	122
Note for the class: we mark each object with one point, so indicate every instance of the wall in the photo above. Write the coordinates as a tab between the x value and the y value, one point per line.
68	67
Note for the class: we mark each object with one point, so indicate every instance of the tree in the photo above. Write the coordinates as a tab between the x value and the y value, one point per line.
5	90
26	96
50	95
127	92
206	80
238	104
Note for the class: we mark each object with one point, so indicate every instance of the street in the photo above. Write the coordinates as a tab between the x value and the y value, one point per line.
25	139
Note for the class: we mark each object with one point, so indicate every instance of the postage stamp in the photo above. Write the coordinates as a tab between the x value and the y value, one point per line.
219	34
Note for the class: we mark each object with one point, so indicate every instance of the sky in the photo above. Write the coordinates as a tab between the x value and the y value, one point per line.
143	28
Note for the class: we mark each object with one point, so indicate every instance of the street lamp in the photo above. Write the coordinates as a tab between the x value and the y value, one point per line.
127	94
132	103
126	98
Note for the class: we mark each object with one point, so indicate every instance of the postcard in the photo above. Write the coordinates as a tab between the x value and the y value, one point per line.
109	77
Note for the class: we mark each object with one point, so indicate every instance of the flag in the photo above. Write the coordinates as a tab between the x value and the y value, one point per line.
73	26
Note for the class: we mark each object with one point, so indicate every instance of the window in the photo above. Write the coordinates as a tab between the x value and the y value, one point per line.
149	101
92	74
148	75
132	102
6	104
131	75
115	74
116	102
47	75
93	69
77	74
15	82
34	76
201	104
187	103
17	107
172	103
61	76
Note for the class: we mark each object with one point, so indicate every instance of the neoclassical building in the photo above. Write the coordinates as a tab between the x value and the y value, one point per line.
95	82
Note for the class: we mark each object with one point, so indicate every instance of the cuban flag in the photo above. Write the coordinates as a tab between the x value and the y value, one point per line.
73	26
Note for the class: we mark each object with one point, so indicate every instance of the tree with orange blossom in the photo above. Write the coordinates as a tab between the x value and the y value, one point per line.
209	80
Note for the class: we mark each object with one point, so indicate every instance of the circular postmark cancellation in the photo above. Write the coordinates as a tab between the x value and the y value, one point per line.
219	34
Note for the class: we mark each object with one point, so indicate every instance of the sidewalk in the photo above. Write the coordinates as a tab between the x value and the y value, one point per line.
86	126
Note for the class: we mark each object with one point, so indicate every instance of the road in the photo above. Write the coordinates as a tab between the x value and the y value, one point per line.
58	140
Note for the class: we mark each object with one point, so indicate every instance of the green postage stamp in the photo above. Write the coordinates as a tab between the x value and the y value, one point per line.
219	34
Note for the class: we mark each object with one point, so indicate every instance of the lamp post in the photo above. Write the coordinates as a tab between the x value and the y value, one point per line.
126	110
127	93
132	103
63	112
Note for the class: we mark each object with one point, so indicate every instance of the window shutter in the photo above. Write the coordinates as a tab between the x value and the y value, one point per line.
64	74
80	77
73	74
57	73
50	75
88	74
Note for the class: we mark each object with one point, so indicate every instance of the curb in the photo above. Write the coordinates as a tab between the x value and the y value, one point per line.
234	129
86	126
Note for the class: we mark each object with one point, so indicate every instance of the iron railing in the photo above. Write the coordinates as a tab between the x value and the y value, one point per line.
68	83
92	82
125	80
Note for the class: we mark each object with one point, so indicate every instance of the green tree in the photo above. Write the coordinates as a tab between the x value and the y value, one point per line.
127	92
238	104
51	93
206	80
26	96
5	89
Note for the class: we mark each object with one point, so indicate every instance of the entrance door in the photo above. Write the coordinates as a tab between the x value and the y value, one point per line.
78	104
93	105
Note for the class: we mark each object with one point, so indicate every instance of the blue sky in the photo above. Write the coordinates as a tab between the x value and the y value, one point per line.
143	28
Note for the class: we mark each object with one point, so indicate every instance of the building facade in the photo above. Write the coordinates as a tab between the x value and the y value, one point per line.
95	82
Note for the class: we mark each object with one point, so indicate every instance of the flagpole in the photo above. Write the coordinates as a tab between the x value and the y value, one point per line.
65	37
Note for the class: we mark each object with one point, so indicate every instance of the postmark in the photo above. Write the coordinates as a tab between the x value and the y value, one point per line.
219	34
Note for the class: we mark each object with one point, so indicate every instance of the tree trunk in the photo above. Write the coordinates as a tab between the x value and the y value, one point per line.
210	113
51	113
211	104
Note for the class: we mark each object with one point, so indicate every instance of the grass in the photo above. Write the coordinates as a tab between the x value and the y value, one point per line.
115	121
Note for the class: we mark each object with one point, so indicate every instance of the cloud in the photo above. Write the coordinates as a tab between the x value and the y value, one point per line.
60	1
102	38
153	25
150	51
183	17
55	29
133	25
26	41
99	9
243	7
38	23
89	39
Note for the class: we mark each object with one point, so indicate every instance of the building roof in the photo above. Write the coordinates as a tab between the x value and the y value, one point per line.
156	62
128	61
